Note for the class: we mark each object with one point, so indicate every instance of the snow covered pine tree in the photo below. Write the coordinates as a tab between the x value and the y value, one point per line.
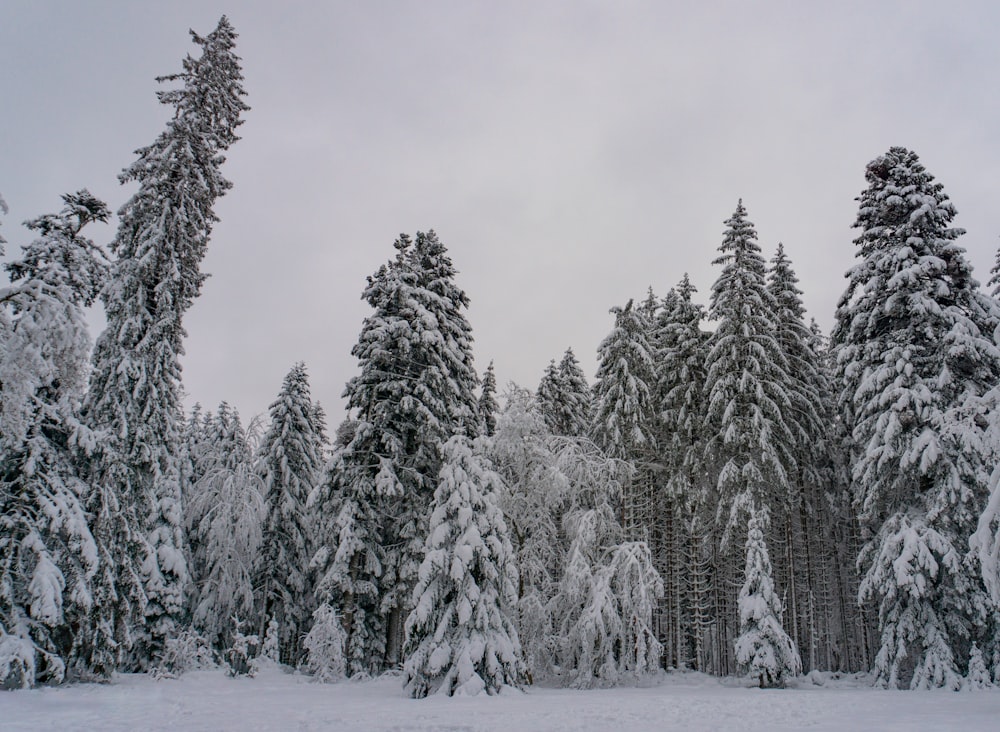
48	557
916	357
291	459
135	391
460	635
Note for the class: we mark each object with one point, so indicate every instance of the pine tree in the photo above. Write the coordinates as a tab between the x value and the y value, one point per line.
799	518
135	393
682	511
488	402
916	358
291	456
460	634
48	557
576	401
564	397
763	649
747	379
623	408
415	390
548	396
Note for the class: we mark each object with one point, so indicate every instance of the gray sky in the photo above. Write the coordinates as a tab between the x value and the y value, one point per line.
569	154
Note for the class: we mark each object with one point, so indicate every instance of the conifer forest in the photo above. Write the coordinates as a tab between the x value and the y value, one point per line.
734	492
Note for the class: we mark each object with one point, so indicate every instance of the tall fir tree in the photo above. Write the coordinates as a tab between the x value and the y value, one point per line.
291	460
916	357
135	391
682	513
623	408
747	379
48	557
748	441
415	390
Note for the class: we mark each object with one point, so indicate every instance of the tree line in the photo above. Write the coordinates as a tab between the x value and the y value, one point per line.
736	493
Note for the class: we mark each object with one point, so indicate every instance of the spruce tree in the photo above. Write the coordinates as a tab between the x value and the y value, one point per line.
684	516
747	379
763	649
564	397
460	634
291	458
916	357
623	409
548	395
416	388
576	400
135	391
48	557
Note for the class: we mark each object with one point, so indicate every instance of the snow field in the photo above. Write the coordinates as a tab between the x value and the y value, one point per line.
210	700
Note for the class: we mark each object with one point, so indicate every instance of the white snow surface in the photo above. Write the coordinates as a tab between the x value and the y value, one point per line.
273	700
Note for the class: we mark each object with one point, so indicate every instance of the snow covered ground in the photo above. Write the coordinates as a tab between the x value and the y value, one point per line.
209	700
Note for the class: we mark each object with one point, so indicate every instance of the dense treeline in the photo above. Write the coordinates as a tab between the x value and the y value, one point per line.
736	493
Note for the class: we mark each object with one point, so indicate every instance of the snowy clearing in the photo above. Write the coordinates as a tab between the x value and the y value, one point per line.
209	700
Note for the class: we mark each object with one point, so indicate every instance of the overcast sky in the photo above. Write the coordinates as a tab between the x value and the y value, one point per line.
569	154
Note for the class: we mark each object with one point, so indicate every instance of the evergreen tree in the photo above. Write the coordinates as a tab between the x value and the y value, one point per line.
48	557
460	634
623	408
291	456
488	402
564	397
916	358
134	396
415	390
683	514
549	394
575	403
747	379
763	649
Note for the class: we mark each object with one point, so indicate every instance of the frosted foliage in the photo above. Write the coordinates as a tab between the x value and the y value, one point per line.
533	497
324	645
48	555
985	542
609	587
460	634
565	398
229	506
906	563
682	355
487	402
764	650
978	676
